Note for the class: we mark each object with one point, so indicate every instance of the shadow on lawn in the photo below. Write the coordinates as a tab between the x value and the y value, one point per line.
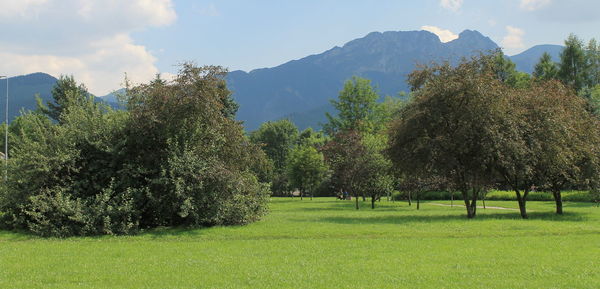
417	218
338	205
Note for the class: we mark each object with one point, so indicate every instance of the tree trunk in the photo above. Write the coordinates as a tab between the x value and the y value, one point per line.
418	200
373	202
364	198
451	199
558	201
356	198
311	195
471	205
483	200
474	203
409	200
522	200
301	195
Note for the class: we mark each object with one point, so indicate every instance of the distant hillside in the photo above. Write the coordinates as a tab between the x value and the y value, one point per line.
22	91
299	88
526	60
112	97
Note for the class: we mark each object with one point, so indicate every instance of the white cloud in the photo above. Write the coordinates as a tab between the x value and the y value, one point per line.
453	5
531	5
513	39
101	70
87	38
21	8
444	34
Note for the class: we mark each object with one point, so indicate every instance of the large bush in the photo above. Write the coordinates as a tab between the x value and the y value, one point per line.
175	157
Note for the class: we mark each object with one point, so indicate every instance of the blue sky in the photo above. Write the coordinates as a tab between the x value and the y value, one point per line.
98	41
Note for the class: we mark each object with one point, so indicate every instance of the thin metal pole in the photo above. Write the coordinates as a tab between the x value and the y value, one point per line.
6	136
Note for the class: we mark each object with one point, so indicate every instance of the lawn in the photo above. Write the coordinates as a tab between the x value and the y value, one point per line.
325	243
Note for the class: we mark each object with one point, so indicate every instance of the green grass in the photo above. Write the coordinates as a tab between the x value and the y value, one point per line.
325	243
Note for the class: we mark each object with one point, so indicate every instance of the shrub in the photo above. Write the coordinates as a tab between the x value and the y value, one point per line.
176	157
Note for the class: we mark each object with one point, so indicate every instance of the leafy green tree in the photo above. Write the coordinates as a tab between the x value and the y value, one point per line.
173	158
449	128
306	169
592	52
311	137
545	69
524	127
356	107
594	101
190	162
573	69
342	154
505	70
385	112
568	138
377	179
65	92
277	139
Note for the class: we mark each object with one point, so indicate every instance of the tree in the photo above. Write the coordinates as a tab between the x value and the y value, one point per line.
592	52
594	101
356	107
277	139
175	157
311	137
65	92
568	138
343	154
376	178
449	129
573	69
306	169
505	70
524	127
545	69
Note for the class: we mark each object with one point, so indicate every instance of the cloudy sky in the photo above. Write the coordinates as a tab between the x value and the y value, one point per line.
98	41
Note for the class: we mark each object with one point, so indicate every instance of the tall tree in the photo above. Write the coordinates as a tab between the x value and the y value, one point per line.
306	169
592	52
568	138
545	69
573	65
377	179
505	70
65	92
449	129
356	105
277	139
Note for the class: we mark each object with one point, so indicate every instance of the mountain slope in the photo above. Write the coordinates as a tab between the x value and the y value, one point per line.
22	91
307	84
526	60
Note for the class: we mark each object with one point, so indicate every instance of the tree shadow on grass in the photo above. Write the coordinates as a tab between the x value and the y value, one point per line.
417	218
342	205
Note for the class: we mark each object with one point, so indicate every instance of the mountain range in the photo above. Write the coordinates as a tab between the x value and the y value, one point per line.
301	89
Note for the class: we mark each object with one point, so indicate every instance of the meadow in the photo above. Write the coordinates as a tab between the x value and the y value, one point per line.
326	243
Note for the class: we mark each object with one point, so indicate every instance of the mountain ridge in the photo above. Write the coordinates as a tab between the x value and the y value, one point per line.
300	89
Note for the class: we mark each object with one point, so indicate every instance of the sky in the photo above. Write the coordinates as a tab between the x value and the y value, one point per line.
101	41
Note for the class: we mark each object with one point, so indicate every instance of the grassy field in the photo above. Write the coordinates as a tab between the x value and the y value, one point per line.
325	243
